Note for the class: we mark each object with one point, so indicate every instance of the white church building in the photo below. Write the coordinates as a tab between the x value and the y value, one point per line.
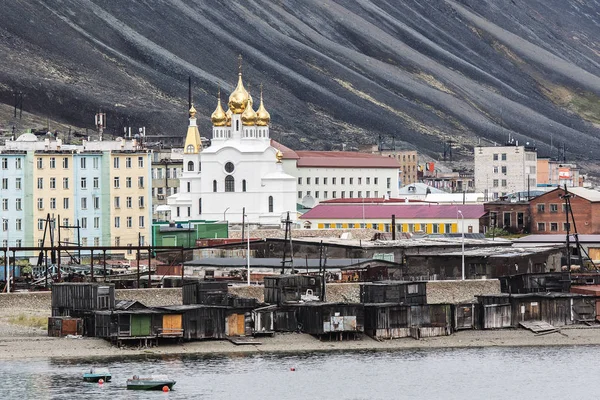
239	170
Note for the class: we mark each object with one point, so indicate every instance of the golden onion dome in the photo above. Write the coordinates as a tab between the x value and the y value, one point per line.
249	116
262	115
238	98
228	114
218	117
192	112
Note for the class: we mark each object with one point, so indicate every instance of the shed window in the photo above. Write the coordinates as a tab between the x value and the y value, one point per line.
229	183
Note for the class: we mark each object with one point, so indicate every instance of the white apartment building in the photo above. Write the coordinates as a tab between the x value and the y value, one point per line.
501	170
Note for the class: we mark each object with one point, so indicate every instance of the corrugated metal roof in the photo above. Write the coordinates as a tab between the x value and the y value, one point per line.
376	211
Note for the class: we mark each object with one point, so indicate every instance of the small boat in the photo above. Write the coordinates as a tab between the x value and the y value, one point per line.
96	374
155	382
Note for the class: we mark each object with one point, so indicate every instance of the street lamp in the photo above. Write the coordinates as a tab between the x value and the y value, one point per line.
462	229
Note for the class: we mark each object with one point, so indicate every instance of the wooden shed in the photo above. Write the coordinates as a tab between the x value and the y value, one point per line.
319	318
431	320
387	320
466	316
280	289
238	322
394	292
63	326
263	319
200	321
68	298
202	292
122	325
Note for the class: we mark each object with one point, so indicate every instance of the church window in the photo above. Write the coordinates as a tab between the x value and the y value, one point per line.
190	166
244	185
229	184
270	204
190	148
214	186
189	187
237	125
229	167
178	211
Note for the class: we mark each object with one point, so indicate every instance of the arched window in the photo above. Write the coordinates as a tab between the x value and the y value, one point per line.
214	186
190	148
270	204
190	166
229	184
244	185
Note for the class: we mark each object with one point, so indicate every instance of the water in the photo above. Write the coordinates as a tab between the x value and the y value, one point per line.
485	373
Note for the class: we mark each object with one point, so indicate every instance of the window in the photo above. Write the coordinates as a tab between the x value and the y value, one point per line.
65	163
299	194
504	169
96	241
141	182
316	194
503	182
141	221
541	226
189	211
4	183
18	163
376	181
325	194
495	157
96	202
189	187
84	183
368	194
308	192
128	202
324	181
83	162
343	194
116	162
66	224
18	183
117	202
4	163
129	222
96	222
564	208
18	205
243	185
127	162
116	183
140	162
229	167
52	203
333	181
52	162
299	180
229	184
96	182
495	183
447	228
65	183
360	181
503	156
566	226
141	201
117	241
343	181
84	241
40	163
389	183
554	226
496	169
334	195
18	224
199	206
95	162
66	203
368	181
376	194
190	148
41	223
270	204
541	208
117	222
40	203
351	194
308	181
84	203
40	183
359	194
351	180
214	186
128	182
84	223
52	183
190	166
4	204
553	208
317	181
178	211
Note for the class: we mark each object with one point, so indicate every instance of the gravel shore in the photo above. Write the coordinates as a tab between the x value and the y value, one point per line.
23	342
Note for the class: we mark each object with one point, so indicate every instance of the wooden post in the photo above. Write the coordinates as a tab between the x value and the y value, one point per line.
138	268
149	271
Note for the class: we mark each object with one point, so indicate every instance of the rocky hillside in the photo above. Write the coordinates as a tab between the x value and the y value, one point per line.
420	71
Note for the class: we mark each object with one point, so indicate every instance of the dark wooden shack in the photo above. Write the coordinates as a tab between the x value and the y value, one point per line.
280	289
319	318
125	325
202	292
394	292
431	320
285	319
534	283
201	321
79	297
466	316
387	320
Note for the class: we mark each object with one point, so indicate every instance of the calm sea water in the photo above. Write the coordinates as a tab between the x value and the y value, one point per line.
487	373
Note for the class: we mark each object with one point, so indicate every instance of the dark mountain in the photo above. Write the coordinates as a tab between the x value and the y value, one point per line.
421	71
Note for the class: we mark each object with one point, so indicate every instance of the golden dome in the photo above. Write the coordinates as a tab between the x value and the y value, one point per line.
238	98
249	116
228	114
218	117
192	112
262	115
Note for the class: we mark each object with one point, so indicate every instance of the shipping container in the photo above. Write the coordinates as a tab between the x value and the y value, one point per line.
63	326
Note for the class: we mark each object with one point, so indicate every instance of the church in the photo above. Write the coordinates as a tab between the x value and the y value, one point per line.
239	170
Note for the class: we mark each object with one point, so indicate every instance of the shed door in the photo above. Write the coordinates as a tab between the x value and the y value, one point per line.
171	323
140	325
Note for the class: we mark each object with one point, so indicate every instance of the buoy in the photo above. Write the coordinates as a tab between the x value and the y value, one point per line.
292	369
100	381
165	389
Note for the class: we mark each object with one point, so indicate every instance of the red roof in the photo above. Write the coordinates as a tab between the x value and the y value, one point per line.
378	211
288	153
367	200
345	159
